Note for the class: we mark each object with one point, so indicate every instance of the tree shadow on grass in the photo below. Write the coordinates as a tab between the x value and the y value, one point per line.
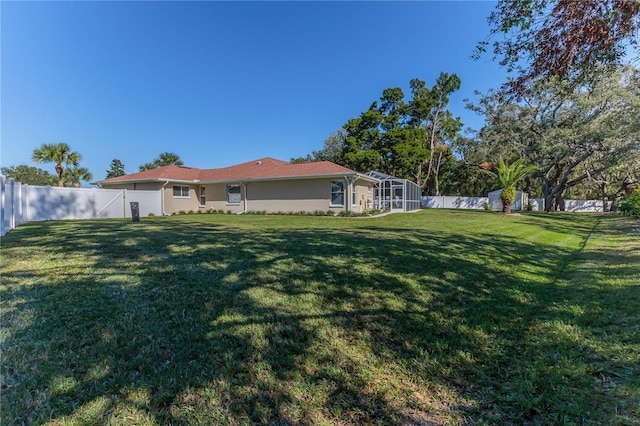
187	322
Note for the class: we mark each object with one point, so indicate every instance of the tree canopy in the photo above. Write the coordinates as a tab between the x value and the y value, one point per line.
74	175
571	136
116	169
406	138
565	39
332	150
29	175
60	154
164	159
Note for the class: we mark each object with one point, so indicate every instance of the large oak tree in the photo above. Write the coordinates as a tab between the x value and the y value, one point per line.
564	39
571	136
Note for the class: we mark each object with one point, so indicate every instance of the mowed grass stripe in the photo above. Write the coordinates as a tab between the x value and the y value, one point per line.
439	316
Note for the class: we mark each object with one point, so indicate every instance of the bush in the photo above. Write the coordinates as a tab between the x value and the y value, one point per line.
630	205
508	195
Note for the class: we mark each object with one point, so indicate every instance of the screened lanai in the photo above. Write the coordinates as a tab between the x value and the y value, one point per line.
395	194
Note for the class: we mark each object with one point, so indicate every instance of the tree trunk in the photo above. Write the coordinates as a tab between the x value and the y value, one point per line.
436	174
603	193
560	200
60	170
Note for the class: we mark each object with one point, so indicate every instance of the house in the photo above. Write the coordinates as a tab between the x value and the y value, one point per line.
266	184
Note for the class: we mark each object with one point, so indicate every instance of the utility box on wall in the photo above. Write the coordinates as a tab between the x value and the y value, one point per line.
135	211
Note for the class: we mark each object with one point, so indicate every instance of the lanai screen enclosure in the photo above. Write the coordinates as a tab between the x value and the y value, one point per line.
395	194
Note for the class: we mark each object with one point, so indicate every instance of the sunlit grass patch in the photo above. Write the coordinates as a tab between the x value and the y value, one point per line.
440	317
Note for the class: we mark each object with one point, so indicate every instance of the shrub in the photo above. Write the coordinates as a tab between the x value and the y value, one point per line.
151	215
630	205
507	196
182	212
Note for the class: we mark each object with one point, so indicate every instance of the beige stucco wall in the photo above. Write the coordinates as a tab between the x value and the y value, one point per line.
176	204
216	198
364	196
271	196
290	196
303	195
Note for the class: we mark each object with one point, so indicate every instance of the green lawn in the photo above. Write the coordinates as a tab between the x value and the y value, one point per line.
438	317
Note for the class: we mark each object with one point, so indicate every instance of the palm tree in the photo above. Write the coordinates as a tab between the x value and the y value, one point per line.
73	176
59	153
164	159
168	158
508	175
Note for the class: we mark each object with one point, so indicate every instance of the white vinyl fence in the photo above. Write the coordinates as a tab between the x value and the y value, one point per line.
594	206
448	202
27	203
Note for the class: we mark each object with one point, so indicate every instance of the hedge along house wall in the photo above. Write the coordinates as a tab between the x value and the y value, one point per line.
27	203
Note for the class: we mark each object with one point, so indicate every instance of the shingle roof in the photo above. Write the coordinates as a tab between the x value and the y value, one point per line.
264	168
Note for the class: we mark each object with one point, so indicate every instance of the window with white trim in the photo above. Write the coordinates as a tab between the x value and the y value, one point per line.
180	191
203	198
233	194
337	193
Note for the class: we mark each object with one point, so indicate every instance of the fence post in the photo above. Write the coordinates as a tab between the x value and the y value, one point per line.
12	211
2	205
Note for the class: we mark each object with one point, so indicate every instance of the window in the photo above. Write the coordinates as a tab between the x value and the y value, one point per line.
337	193
233	194
203	198
180	191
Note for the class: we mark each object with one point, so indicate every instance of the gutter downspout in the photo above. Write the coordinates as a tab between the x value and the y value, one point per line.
348	202
162	198
348	194
354	191
244	185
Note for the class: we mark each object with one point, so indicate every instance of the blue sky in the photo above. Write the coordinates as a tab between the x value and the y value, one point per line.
219	83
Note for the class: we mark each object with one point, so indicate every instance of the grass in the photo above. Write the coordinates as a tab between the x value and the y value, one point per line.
439	317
